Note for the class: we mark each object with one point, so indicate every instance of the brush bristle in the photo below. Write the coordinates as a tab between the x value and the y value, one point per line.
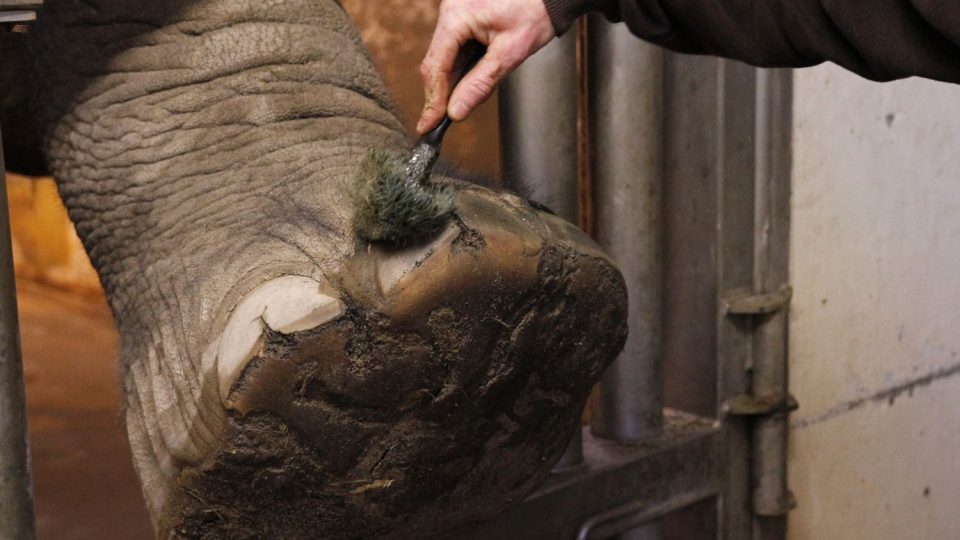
394	211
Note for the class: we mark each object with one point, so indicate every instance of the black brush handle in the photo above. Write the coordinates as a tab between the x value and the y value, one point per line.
471	53
435	136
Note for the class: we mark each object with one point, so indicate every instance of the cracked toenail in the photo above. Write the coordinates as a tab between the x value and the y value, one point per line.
286	304
393	267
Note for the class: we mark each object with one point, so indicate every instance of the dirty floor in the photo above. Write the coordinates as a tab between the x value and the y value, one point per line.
84	483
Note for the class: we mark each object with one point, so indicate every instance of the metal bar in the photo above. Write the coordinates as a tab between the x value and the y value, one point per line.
18	5
735	226
709	228
573	456
678	467
691	190
538	126
653	530
631	516
16	504
626	120
7	17
771	497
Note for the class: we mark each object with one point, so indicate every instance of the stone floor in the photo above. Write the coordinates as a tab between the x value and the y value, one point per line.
84	483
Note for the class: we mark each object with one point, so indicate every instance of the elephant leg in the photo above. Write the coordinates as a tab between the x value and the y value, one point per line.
283	378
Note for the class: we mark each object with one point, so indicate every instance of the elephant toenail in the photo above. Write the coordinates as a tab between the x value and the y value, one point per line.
286	304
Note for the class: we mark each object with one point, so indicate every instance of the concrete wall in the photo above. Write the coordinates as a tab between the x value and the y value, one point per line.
875	328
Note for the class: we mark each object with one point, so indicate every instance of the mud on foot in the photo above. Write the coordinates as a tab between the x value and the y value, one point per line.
420	389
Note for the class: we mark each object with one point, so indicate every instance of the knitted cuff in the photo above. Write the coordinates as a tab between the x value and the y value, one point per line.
564	12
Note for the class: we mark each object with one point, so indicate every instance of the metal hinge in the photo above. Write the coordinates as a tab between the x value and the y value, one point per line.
769	405
771	497
758	304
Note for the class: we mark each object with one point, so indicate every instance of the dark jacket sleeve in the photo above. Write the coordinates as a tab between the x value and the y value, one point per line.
879	39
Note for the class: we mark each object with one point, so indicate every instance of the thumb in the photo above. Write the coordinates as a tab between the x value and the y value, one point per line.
478	85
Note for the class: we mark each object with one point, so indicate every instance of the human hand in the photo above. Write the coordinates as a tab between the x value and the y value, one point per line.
512	30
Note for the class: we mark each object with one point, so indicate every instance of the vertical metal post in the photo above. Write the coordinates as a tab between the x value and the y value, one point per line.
626	120
538	126
16	504
626	123
711	108
771	496
626	126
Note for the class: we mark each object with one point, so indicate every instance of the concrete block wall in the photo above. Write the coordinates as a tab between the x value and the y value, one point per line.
875	322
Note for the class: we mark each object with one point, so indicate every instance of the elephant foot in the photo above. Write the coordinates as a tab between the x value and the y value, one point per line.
410	391
282	378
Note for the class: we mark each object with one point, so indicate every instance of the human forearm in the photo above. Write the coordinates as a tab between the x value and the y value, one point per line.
880	39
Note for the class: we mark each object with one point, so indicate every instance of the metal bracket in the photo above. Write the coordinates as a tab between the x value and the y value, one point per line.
16	14
618	487
785	504
758	304
770	405
630	516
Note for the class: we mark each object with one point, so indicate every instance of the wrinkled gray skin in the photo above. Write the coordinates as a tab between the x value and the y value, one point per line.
205	146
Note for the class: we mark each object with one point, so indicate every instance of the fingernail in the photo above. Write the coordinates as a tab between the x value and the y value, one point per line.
459	110
420	126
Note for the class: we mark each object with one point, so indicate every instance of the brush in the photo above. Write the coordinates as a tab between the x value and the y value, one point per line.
397	203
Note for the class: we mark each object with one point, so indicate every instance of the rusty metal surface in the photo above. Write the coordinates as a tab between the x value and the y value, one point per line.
619	487
16	503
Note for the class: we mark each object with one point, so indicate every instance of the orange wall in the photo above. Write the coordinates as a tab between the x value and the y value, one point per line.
45	246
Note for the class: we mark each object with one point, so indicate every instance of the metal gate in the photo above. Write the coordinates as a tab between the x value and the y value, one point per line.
680	167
